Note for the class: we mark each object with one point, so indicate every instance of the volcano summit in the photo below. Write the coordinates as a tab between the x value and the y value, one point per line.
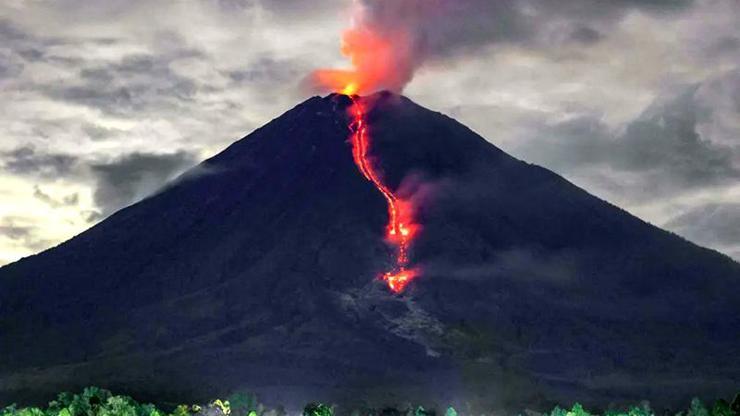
260	273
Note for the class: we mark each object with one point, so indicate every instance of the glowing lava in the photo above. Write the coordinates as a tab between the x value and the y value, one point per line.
401	229
381	58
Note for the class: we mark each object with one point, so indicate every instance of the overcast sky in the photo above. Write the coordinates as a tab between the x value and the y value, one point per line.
101	102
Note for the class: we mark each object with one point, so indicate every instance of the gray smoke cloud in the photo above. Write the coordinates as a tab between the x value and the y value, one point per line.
391	39
125	180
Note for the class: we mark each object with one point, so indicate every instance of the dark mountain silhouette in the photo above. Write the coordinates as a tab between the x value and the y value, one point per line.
258	272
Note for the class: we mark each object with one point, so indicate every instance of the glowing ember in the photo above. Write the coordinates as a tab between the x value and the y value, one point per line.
350	89
401	229
397	281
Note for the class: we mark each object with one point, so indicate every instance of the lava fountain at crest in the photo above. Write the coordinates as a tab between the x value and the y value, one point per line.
381	56
401	228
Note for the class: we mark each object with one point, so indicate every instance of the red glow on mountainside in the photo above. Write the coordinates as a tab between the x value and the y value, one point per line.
401	228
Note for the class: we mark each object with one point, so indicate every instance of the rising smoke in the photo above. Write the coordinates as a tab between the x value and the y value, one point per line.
389	40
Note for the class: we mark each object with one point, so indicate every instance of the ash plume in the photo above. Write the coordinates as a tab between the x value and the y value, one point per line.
388	41
383	54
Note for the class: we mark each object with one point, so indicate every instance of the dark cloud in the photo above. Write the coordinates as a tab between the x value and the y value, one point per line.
724	45
52	128
292	9
663	144
10	66
445	28
27	45
31	54
713	225
229	5
585	35
666	137
268	69
136	83
9	32
143	82
127	179
14	232
20	231
26	160
67	201
97	132
608	9
91	216
414	32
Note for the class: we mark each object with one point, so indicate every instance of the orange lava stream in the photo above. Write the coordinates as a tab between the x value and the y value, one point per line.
400	229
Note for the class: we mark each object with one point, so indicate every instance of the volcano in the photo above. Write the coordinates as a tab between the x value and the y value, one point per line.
259	271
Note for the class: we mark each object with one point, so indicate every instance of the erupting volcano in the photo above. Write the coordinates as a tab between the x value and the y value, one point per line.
267	270
400	229
256	273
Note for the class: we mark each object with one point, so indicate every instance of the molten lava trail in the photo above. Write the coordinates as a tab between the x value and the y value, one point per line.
400	230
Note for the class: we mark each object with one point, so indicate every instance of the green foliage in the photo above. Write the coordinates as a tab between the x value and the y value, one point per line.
697	408
557	411
30	412
317	409
223	406
641	410
420	411
721	408
245	404
181	410
98	402
92	401
735	405
577	410
8	411
390	411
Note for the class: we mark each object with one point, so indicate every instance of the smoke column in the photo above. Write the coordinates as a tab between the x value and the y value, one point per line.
384	45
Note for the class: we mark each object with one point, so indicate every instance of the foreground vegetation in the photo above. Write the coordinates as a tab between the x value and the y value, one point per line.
99	402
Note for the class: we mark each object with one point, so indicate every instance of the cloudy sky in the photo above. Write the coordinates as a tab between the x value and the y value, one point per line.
101	102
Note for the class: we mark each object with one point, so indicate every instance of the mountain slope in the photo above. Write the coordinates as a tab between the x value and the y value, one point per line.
258	271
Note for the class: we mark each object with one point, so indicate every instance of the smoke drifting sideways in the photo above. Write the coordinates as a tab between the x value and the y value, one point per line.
388	41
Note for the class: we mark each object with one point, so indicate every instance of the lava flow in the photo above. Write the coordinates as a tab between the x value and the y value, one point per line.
381	58
400	229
